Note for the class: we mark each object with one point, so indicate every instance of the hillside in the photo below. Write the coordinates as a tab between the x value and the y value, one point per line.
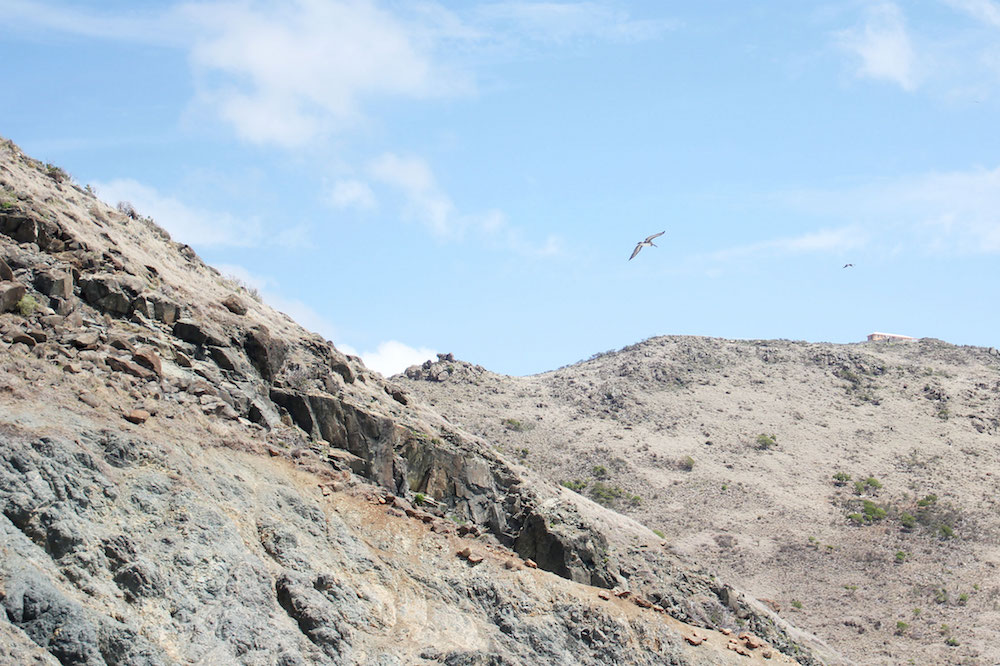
187	476
852	487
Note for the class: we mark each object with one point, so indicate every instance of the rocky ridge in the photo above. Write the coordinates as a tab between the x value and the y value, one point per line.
188	476
852	487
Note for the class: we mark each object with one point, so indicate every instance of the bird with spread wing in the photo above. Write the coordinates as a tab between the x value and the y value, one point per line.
645	243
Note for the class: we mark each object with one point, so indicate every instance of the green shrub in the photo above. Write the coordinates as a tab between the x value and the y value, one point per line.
605	494
660	534
963	599
55	173
900	556
908	521
575	485
873	513
927	501
951	642
515	425
856	518
26	306
841	478
765	442
419	499
797	604
686	463
946	531
600	472
901	627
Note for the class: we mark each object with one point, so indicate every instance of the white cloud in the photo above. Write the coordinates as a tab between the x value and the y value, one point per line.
955	213
425	201
391	357
184	223
883	46
351	193
825	240
982	10
293	71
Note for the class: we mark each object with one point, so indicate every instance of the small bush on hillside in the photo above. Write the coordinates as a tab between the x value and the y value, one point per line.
605	494
56	173
686	463
128	210
599	472
576	485
26	306
908	521
765	442
514	425
901	627
840	478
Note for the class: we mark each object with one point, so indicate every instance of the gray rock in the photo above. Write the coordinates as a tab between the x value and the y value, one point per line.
10	295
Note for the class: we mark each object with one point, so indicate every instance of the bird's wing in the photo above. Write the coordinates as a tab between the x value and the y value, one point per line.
635	251
656	235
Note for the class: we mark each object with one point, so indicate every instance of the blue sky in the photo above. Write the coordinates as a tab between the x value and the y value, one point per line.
416	177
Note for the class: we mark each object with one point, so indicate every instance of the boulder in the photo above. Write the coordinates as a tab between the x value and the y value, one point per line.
5	272
199	333
110	293
121	365
267	354
149	359
57	284
11	294
235	304
137	416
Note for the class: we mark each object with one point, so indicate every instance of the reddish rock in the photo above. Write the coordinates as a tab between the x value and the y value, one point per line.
642	603
751	641
72	368
182	359
767	654
148	358
604	594
11	294
622	594
475	559
530	563
738	648
123	344
89	400
725	632
235	305
85	339
121	365
137	416
772	604
693	638
464	553
24	339
513	565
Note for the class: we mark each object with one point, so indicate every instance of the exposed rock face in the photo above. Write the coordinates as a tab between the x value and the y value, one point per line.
216	488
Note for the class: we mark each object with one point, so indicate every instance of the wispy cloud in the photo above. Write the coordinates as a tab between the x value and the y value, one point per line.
391	357
882	47
426	202
563	22
824	240
351	193
954	213
985	11
185	223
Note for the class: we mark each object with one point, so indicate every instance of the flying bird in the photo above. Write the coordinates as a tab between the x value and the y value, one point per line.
848	265
645	243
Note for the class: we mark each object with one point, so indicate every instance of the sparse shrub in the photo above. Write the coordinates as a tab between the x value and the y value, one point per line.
599	472
419	499
946	531
605	494
873	483
686	463
917	612
514	425
941	596
576	485
128	210
908	521
765	442
901	627
951	642
56	173
901	556
872	512
856	518
943	413
927	501
840	478
660	534
963	599
797	604
26	306
522	453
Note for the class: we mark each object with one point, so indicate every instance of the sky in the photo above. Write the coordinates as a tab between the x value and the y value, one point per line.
408	178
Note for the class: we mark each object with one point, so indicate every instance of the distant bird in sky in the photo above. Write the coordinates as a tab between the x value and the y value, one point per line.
642	244
848	265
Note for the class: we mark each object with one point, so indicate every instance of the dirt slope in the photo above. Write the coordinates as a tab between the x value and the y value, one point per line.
730	449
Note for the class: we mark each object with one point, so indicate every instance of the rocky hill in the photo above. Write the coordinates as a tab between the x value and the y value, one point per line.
851	487
187	476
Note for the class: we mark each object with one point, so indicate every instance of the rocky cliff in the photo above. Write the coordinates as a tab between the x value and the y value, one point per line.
187	476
